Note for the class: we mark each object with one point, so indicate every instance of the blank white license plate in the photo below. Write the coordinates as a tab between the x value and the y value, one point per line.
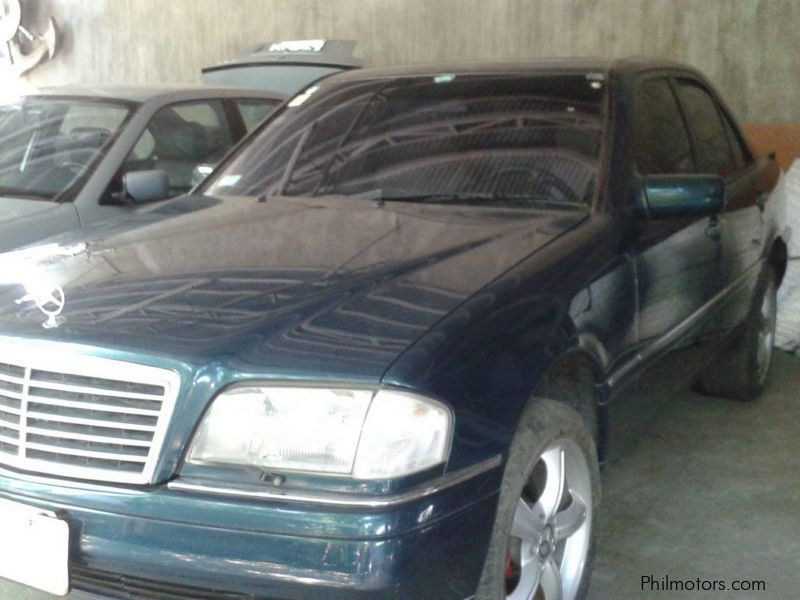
34	548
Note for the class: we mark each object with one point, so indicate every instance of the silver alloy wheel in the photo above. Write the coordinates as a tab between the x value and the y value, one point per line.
766	332
551	529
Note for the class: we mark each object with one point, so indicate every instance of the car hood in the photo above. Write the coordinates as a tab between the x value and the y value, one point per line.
12	209
323	287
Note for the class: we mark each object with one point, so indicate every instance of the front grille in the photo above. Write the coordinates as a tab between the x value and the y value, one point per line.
111	585
82	416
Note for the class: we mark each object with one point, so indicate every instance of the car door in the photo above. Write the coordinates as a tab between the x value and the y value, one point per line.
678	259
721	150
677	266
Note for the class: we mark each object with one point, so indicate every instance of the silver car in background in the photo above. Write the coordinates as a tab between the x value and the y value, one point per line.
71	157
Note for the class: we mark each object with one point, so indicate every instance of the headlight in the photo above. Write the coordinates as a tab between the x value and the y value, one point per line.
361	433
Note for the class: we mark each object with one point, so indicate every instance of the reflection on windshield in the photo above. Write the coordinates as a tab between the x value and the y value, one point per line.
47	144
493	139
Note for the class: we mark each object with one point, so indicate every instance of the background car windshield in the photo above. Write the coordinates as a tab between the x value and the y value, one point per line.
47	144
492	138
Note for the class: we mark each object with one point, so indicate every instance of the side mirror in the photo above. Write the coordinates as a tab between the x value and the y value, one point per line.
666	196
146	186
200	172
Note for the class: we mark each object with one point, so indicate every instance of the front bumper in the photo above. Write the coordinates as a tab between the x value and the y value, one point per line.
127	542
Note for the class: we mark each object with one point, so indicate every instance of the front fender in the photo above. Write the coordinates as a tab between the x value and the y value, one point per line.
487	357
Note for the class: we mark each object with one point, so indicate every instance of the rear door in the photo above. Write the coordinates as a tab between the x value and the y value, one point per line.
721	150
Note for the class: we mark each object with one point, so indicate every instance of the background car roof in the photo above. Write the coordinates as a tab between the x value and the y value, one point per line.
334	53
146	93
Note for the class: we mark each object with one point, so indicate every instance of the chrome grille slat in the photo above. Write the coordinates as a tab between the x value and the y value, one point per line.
85	453
40	377
6	387
98	399
82	416
47	385
6	369
10	394
9	421
7	440
58	429
44	411
100	439
92	422
35	399
4	377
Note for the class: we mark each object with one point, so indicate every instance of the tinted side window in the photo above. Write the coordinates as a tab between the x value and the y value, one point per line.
661	142
179	138
254	111
740	152
711	141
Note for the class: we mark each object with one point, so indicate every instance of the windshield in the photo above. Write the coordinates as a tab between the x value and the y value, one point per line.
48	144
494	139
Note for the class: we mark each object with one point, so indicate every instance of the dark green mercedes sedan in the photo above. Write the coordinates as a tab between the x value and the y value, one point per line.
382	351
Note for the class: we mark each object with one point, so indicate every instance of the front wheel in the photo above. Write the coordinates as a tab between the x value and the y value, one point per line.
542	544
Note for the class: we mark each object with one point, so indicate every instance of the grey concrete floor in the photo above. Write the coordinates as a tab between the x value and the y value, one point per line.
710	491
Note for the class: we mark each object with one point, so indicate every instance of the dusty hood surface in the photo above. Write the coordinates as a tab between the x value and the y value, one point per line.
16	208
327	285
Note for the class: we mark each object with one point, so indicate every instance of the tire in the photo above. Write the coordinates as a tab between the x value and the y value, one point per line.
562	551
740	373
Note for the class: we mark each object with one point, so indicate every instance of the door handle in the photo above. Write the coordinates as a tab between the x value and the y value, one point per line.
713	229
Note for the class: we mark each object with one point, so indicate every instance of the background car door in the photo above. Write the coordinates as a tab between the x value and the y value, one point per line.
720	149
179	138
185	140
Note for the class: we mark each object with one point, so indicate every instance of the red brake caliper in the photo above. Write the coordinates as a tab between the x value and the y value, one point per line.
509	568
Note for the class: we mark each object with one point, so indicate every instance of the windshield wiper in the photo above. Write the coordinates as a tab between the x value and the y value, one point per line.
463	199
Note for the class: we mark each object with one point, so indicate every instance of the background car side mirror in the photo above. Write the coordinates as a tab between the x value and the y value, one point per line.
146	186
667	196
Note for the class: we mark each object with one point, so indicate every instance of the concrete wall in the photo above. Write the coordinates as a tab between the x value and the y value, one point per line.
749	48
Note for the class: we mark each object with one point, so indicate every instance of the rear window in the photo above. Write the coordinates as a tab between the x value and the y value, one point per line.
500	138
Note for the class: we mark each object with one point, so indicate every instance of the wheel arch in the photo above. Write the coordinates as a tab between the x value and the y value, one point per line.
577	378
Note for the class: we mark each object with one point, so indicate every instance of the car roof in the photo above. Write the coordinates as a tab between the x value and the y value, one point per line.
540	65
147	93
